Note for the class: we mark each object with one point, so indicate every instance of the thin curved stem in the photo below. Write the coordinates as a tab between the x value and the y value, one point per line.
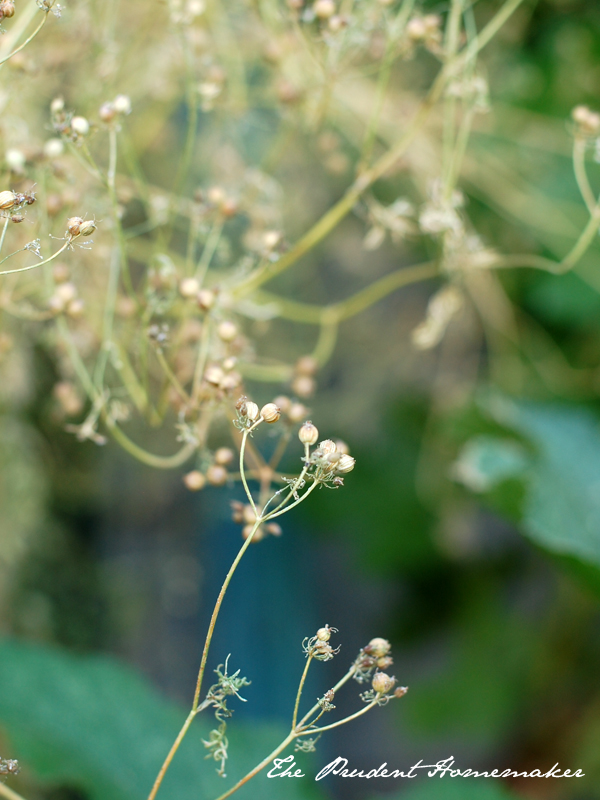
340	721
581	177
345	309
114	201
299	693
171	754
158	462
245	434
10	794
172	378
343	207
3	235
26	42
39	263
259	767
209	635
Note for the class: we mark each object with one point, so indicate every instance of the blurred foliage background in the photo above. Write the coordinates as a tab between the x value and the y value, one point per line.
469	533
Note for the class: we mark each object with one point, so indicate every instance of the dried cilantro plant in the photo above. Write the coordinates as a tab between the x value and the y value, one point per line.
143	274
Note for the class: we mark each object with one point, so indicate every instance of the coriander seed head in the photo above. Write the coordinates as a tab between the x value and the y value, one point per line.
194	480
382	683
308	433
270	412
378	647
345	464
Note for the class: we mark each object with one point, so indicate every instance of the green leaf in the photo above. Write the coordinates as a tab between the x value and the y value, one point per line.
561	507
486	461
90	723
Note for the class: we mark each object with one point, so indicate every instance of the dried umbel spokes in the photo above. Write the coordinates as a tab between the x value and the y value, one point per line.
9	766
13	201
227	686
318	646
375	656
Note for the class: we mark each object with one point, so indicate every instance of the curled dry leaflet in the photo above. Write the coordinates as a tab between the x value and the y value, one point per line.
148	293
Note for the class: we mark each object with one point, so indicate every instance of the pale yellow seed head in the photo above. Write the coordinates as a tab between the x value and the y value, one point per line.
308	433
382	683
270	412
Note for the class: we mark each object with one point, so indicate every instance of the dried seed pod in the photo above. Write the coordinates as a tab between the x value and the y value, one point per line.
308	433
66	292
378	647
224	456
284	404
297	412
345	464
8	200
324	634
76	308
230	382
227	331
74	225
303	386
400	691
7	9
214	375
385	662
194	480
273	528
67	395
324	9
216	475
270	412
189	287
306	365
122	104
382	683
327	446
17	218
205	299
107	112
88	226
80	126
252	411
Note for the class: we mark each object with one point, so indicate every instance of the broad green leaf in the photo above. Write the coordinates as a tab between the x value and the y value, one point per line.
561	508
486	461
90	723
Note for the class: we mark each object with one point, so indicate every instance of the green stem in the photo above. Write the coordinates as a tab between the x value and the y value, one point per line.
39	263
112	191
202	670
340	721
3	236
26	42
264	763
581	174
299	693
